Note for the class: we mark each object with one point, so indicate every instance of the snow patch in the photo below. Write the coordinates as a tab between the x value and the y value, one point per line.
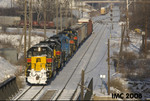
6	69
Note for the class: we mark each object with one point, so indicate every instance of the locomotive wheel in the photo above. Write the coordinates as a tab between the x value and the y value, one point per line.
54	73
67	58
64	62
59	66
71	53
50	74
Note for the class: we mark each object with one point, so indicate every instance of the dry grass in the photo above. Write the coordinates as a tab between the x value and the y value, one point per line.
19	81
129	55
132	67
95	13
116	83
21	61
135	71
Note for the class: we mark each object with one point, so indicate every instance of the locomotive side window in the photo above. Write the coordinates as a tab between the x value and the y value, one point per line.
29	54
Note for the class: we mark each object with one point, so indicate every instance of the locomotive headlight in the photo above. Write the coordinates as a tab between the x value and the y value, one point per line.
39	49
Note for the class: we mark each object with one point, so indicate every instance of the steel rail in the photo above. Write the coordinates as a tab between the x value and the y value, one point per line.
17	98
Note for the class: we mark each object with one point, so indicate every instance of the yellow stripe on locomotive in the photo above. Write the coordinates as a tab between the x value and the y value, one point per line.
38	63
54	53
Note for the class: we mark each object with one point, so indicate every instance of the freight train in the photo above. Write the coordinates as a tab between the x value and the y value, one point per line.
105	10
47	57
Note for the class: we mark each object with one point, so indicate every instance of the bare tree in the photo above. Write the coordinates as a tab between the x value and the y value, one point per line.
37	8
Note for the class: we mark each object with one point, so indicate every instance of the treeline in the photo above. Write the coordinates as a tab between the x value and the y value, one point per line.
37	9
140	15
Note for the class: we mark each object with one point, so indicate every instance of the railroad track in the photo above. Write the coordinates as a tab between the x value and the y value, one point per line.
30	93
63	90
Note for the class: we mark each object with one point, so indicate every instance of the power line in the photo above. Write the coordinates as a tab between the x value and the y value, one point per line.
96	64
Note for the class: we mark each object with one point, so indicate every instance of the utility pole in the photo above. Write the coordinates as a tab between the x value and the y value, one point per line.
82	84
108	83
25	27
78	9
77	5
111	17
122	39
67	13
82	8
61	16
71	13
127	1
145	27
56	16
11	3
44	19
30	24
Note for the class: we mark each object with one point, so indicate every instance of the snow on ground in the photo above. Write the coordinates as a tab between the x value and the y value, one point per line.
6	69
100	55
142	87
49	32
139	87
15	39
115	42
134	45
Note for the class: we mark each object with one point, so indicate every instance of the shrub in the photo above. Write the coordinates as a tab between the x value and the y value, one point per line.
116	83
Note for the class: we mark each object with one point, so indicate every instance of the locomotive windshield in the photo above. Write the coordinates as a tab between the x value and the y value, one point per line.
39	51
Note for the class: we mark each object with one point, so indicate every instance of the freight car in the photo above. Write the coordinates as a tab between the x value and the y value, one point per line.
15	21
36	24
47	57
